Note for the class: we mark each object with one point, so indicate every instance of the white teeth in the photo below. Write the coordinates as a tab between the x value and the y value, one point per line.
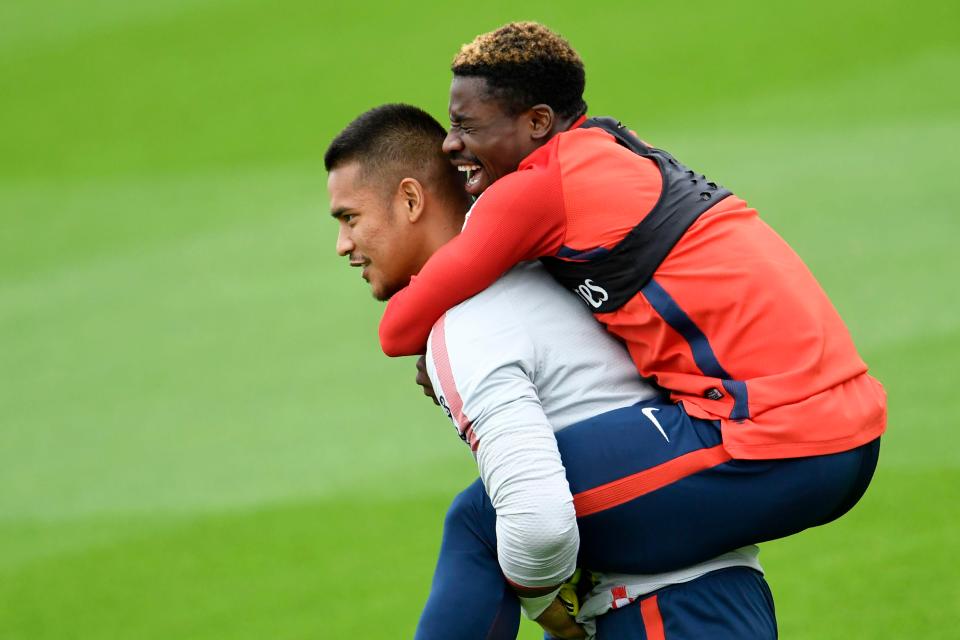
469	169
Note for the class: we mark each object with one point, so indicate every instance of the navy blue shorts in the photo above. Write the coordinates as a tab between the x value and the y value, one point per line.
729	604
655	491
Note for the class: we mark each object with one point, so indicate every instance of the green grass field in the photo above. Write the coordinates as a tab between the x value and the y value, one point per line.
199	437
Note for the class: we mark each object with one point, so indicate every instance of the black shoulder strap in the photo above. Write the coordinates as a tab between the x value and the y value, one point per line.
607	282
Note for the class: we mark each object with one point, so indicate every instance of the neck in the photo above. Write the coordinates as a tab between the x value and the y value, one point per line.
559	126
563	124
443	229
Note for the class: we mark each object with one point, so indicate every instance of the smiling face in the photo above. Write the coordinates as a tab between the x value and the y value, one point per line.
373	232
485	139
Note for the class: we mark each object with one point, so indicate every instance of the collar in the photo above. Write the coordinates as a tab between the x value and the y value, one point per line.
579	121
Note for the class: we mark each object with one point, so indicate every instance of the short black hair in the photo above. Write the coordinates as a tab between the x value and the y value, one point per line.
394	141
386	134
525	63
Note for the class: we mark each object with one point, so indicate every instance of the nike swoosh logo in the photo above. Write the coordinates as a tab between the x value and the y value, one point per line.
648	412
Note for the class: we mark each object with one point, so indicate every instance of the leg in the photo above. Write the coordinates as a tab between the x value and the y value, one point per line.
469	598
730	604
677	522
655	491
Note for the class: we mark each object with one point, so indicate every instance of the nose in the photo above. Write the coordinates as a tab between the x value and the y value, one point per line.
344	242
452	143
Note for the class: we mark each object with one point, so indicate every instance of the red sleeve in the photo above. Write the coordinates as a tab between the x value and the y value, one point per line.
519	218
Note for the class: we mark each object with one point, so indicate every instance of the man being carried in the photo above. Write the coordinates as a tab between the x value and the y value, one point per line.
711	303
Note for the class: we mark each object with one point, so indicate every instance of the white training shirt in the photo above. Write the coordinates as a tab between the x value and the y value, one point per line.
510	366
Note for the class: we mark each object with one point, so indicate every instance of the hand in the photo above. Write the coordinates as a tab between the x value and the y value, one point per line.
424	380
576	588
556	621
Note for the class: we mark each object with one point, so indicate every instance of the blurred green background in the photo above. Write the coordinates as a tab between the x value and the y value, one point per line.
199	437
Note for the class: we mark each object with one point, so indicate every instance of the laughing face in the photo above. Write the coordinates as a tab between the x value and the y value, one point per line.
484	140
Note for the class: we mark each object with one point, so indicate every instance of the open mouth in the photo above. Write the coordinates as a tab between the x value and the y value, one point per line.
474	174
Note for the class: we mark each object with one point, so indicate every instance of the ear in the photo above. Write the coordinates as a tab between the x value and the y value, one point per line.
541	121
411	196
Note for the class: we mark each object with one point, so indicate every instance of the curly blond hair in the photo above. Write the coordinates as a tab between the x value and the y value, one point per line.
525	63
516	43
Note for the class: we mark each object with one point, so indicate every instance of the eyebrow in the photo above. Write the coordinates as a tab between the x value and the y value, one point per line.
338	212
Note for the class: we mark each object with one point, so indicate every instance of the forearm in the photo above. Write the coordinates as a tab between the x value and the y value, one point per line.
537	535
558	623
517	220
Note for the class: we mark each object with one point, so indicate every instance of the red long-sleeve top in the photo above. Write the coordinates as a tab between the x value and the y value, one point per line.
730	297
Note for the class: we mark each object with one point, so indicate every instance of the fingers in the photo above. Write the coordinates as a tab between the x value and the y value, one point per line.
424	380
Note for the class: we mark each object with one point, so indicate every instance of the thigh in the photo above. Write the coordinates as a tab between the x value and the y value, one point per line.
729	604
655	490
617	444
467	571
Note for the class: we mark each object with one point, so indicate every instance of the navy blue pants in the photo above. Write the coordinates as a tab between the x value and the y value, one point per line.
728	604
654	492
